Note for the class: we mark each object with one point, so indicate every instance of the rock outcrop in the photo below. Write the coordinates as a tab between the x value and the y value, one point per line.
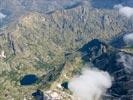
119	65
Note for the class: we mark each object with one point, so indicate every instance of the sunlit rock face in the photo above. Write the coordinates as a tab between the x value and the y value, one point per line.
119	65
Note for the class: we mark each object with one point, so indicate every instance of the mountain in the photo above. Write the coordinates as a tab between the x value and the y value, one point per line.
53	39
117	63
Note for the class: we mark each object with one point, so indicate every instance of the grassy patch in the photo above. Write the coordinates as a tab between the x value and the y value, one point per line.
10	58
40	63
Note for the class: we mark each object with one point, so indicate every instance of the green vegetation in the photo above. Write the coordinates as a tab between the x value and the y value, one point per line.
13	76
40	63
9	58
44	42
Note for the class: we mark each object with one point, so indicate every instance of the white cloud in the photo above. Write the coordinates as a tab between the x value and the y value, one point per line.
128	39
127	61
124	10
91	85
2	15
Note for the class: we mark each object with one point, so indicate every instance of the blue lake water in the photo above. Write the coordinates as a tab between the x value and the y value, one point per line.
65	85
39	95
28	79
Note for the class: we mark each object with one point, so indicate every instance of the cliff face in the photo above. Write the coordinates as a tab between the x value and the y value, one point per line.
63	28
117	63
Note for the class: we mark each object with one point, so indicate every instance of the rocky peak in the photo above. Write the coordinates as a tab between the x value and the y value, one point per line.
93	49
117	63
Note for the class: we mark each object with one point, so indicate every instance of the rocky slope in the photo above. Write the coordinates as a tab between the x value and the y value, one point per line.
44	38
119	64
